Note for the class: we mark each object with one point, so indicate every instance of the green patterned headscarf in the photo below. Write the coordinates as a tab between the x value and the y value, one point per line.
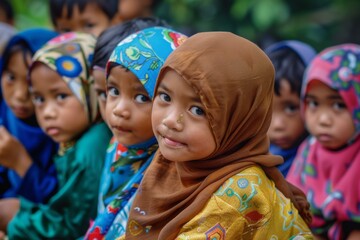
144	53
70	55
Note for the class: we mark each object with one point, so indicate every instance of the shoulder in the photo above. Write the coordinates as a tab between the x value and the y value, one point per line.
93	143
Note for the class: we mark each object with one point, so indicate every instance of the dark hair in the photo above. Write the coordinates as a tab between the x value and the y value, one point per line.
109	39
8	10
109	7
22	47
288	67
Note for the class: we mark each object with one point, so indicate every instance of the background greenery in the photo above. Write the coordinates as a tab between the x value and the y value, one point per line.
321	23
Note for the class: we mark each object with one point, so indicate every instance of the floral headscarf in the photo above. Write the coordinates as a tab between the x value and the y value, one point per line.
339	68
330	178
70	55
144	53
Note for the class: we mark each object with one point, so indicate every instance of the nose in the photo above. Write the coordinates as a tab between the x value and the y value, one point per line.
277	123
21	92
324	118
49	110
174	120
122	109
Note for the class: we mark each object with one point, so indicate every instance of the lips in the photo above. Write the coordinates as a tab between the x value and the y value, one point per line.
20	111
324	138
121	129
172	142
52	131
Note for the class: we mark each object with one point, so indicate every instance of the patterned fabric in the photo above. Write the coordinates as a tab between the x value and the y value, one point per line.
70	55
143	53
246	206
40	181
330	178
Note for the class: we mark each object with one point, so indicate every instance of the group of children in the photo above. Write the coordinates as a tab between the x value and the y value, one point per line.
135	131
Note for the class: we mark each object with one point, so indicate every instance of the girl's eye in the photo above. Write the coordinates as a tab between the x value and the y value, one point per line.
61	96
142	98
113	91
197	111
37	100
164	97
339	106
311	103
89	25
101	95
9	77
291	109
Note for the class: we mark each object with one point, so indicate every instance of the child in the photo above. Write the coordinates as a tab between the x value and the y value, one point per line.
90	16
66	109
6	12
327	165
211	113
26	151
132	71
287	129
106	43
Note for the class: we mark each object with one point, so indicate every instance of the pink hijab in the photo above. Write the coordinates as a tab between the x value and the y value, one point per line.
330	178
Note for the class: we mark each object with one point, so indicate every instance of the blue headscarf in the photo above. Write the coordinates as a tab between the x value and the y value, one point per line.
306	53
39	146
144	53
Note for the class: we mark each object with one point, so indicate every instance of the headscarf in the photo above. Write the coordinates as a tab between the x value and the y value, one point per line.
40	146
306	53
143	53
234	80
330	177
70	55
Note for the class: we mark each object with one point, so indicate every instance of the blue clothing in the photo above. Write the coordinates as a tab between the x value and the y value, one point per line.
287	154
40	181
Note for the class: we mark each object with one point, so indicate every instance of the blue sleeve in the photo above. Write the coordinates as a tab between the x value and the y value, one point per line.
38	184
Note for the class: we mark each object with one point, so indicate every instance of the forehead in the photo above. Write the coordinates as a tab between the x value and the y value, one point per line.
42	76
75	11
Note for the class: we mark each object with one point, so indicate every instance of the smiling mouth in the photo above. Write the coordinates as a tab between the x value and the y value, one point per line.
171	142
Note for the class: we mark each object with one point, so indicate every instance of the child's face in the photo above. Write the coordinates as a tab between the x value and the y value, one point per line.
59	113
128	107
92	20
327	117
130	9
287	126
100	88
15	87
179	121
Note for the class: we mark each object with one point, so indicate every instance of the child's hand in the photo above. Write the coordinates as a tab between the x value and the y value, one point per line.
13	154
8	208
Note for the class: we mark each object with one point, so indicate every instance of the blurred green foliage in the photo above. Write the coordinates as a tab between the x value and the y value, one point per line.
321	23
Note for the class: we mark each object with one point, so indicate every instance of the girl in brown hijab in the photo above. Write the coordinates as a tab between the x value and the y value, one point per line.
213	177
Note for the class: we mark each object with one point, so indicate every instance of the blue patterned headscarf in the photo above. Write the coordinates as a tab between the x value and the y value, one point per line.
144	53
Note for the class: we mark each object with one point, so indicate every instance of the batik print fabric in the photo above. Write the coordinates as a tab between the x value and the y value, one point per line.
246	206
330	178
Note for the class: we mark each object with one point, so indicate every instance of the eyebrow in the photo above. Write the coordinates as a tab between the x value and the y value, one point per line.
195	98
331	97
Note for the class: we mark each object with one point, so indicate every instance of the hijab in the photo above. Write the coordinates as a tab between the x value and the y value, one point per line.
70	55
143	53
330	177
234	80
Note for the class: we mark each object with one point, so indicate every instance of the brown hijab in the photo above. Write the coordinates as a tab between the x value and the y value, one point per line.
234	79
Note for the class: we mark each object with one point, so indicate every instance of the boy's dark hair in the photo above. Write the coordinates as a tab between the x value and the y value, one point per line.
290	59
8	10
109	39
288	67
109	7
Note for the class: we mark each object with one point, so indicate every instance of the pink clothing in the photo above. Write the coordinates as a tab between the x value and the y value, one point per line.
330	178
